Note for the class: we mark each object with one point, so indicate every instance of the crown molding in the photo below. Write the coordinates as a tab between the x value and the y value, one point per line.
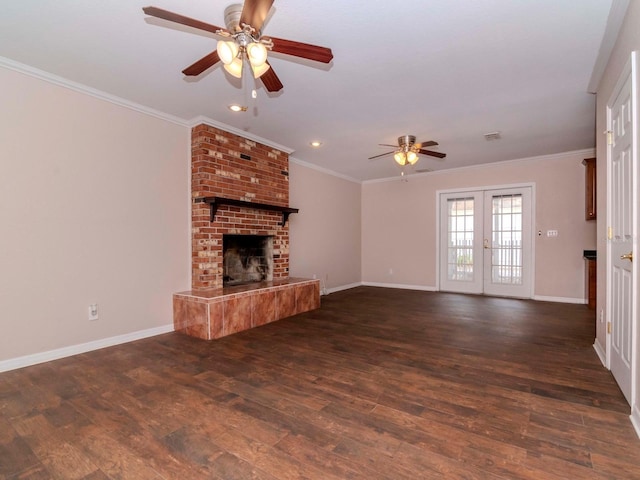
93	92
80	88
587	152
312	166
236	131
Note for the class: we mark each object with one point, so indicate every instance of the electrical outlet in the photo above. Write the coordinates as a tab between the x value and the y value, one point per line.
93	312
391	271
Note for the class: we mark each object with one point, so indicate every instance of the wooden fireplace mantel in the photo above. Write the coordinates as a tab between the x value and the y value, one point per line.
215	202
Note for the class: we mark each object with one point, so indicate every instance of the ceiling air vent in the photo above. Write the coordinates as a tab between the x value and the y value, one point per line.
492	136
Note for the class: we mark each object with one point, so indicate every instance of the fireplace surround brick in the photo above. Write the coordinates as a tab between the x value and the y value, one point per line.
218	169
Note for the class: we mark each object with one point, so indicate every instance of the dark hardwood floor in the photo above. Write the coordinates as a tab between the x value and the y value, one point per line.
377	384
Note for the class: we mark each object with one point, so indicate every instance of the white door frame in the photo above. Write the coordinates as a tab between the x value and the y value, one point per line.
630	70
530	185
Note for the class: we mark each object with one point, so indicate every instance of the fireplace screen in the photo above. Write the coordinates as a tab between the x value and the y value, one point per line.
247	259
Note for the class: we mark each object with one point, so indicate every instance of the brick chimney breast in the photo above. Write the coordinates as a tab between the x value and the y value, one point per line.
227	165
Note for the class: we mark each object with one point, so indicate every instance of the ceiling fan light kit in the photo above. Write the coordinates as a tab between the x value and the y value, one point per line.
227	51
257	54
403	158
243	46
234	67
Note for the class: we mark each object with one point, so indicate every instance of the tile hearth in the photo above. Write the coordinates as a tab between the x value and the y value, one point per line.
215	313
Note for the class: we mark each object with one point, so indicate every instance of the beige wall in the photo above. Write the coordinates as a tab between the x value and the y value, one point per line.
628	41
325	235
399	223
94	209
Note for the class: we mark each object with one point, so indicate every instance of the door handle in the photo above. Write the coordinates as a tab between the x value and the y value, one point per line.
486	244
627	256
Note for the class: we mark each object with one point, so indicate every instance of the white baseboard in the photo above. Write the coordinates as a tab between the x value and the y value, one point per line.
600	352
28	360
342	287
542	298
400	285
424	288
635	420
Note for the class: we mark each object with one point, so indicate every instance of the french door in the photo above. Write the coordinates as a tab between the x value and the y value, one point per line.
485	242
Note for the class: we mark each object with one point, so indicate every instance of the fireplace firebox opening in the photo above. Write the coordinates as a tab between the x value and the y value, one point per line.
247	259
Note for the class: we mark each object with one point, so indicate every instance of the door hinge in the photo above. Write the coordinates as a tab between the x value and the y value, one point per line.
609	135
610	233
609	328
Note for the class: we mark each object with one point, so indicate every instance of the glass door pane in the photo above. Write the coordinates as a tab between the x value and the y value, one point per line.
460	239
506	248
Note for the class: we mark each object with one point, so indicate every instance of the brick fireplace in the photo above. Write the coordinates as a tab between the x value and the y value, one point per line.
239	188
227	165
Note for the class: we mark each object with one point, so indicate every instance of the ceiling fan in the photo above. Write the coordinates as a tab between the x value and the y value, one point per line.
242	42
407	150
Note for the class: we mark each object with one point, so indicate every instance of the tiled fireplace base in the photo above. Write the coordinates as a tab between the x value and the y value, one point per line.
215	313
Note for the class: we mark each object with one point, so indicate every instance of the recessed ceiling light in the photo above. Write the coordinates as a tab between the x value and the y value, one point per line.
237	108
315	144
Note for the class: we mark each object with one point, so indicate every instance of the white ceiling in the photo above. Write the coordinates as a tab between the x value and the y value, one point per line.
443	70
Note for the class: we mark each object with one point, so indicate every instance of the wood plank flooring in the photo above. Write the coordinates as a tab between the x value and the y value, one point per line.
376	384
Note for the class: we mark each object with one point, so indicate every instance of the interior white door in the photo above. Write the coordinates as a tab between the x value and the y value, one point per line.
485	243
621	190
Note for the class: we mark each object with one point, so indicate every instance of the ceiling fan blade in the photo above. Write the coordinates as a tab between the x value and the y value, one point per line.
381	155
388	145
181	19
254	13
432	153
302	50
201	65
430	143
271	81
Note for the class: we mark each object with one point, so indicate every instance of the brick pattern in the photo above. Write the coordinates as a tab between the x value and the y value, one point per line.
230	166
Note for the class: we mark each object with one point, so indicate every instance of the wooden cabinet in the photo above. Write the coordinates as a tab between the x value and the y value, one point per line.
590	188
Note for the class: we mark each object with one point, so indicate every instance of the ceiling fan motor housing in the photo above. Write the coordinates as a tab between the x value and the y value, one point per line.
232	16
406	140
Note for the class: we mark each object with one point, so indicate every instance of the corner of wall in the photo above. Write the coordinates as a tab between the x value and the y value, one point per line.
600	351
635	419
